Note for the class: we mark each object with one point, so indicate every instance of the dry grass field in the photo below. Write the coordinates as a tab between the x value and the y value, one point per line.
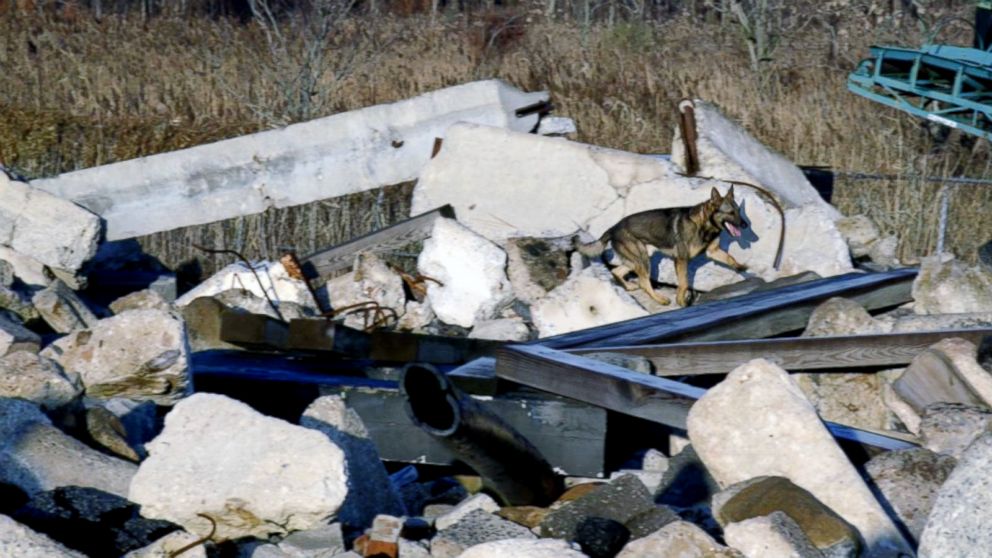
77	92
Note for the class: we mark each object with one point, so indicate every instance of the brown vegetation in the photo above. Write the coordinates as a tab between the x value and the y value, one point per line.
78	92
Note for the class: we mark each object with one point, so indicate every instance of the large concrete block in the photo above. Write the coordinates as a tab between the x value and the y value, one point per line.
758	423
49	229
328	157
504	184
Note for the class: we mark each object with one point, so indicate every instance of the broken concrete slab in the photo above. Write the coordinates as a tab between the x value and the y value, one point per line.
949	428
37	379
757	422
62	309
848	398
139	354
341	154
19	302
35	456
46	227
946	372
959	521
945	285
483	172
727	151
254	475
261	279
775	534
907	482
587	299
470	273
15	337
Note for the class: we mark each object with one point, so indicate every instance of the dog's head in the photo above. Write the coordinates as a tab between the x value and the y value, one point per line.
725	214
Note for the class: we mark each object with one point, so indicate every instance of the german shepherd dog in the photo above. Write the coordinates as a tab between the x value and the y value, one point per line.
681	233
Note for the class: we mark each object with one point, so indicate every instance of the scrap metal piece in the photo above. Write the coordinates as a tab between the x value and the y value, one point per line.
509	463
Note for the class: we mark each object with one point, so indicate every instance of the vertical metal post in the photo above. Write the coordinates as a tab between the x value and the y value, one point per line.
942	222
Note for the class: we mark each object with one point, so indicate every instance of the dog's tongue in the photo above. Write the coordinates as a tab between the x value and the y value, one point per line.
734	231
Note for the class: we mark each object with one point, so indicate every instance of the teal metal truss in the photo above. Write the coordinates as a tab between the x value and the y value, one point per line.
949	85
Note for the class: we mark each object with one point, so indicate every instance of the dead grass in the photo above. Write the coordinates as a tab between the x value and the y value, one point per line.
79	93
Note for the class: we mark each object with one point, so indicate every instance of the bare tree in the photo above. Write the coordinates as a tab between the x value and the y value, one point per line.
300	38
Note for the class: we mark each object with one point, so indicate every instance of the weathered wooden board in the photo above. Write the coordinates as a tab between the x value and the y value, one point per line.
570	435
793	353
622	390
342	256
752	316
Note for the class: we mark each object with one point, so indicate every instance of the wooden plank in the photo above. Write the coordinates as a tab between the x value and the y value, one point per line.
342	256
612	387
754	315
794	353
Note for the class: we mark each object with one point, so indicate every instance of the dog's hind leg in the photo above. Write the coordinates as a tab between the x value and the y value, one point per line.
682	274
620	272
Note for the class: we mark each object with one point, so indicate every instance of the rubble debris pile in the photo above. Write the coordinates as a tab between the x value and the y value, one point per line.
466	382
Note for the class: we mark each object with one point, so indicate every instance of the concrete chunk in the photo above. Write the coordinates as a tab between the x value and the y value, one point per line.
587	299
62	309
472	273
254	475
52	230
947	372
324	158
37	379
263	278
758	423
523	548
679	538
959	522
15	337
908	482
775	534
36	456
949	428
139	354
948	286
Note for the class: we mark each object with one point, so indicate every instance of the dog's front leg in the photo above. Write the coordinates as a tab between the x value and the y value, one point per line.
682	274
715	253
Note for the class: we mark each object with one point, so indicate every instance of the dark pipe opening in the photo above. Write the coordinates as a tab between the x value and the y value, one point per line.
427	398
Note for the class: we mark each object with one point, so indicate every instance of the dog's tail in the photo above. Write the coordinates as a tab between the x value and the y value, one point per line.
592	249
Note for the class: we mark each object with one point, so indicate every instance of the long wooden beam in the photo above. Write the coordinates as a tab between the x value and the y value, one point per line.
793	353
342	256
752	316
619	389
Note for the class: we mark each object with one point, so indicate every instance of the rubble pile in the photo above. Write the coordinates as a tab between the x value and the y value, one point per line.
467	383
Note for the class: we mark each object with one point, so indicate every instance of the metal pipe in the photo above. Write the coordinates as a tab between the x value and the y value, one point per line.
508	463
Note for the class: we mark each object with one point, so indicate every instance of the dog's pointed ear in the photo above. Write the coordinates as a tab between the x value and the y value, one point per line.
730	193
715	195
